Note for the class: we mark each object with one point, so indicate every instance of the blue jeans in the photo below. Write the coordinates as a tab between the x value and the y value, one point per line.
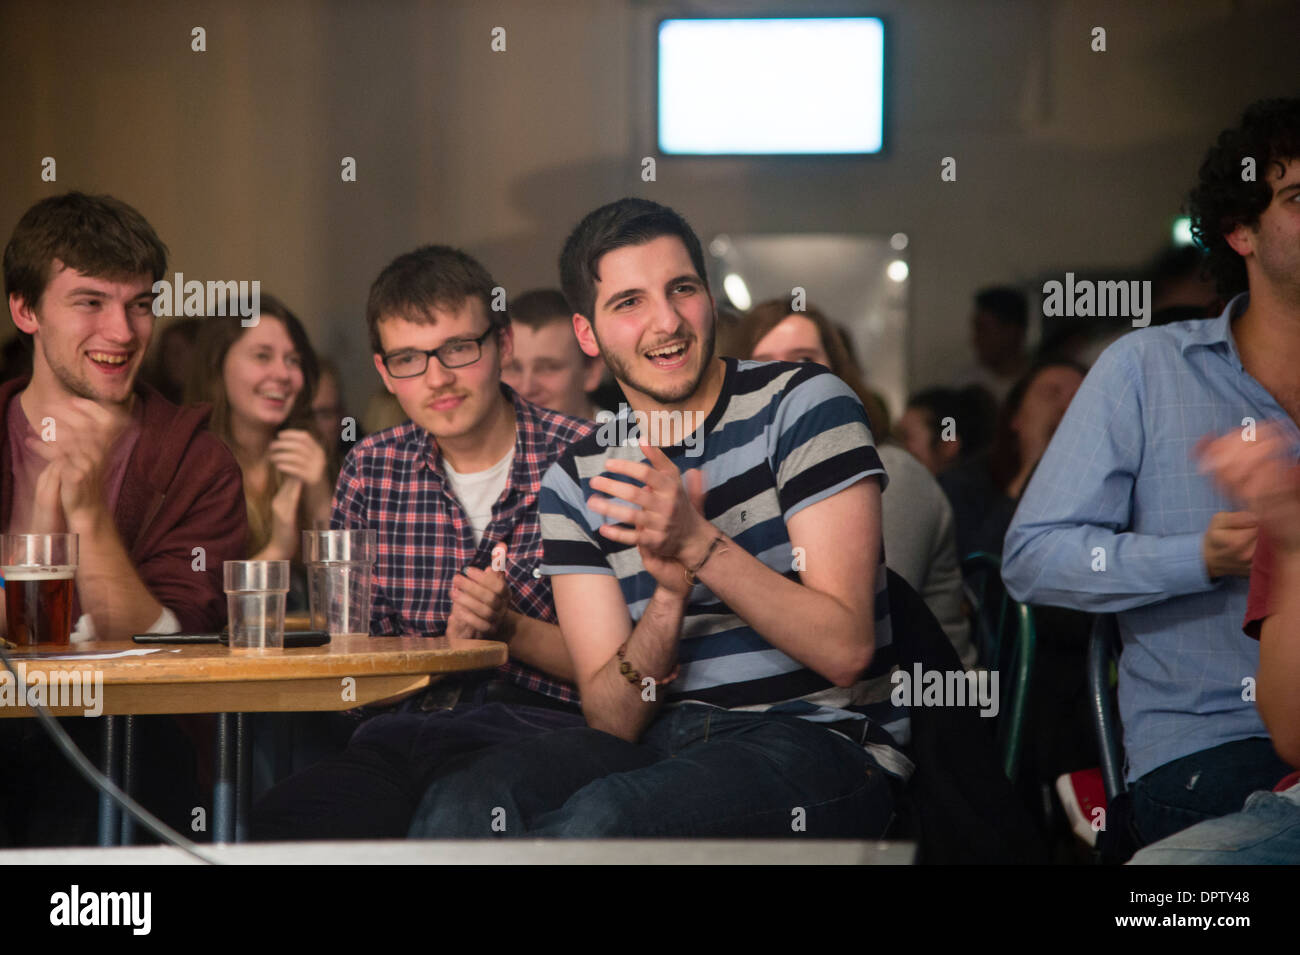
1266	832
697	771
370	789
1204	785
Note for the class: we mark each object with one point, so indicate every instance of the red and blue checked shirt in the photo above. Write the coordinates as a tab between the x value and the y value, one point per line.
392	481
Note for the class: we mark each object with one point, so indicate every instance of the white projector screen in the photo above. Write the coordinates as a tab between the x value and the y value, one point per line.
803	86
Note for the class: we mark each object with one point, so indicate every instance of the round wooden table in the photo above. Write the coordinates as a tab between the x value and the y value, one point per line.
349	671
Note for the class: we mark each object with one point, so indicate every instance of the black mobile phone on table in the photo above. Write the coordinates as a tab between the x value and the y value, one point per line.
292	638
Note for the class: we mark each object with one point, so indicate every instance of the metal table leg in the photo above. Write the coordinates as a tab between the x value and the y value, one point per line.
243	776
282	734
128	776
223	784
108	811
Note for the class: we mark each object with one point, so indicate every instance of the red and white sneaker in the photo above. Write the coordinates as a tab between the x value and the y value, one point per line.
1083	795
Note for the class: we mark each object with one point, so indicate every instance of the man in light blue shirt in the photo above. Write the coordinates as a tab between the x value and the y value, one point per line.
1117	519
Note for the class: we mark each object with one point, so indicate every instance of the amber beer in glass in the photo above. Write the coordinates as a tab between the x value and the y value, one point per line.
39	572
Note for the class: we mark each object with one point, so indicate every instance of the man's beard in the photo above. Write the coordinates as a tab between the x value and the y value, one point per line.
78	384
625	376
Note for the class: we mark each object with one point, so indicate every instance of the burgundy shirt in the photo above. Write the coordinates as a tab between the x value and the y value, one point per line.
180	499
28	465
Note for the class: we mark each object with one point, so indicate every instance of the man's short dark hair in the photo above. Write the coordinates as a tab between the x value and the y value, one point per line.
1269	134
614	226
96	235
431	277
1009	305
540	307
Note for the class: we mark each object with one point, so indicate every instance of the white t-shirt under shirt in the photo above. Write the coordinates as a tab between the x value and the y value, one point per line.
477	492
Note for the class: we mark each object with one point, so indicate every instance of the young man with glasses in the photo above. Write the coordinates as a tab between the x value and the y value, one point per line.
453	496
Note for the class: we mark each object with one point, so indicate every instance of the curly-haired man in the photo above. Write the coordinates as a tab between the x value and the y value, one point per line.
1117	519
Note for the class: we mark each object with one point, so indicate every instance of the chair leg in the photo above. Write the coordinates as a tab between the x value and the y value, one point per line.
1026	638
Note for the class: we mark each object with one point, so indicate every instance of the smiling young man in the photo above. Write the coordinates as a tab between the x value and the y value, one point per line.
453	496
79	272
727	625
86	449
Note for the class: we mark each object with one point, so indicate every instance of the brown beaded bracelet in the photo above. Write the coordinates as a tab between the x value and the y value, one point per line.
629	672
632	675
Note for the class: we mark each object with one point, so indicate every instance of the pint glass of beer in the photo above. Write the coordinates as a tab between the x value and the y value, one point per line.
39	572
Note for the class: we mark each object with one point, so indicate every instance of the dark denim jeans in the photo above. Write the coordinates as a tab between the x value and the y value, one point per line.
697	771
1204	785
370	790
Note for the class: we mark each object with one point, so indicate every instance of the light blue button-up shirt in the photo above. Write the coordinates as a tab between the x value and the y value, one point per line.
1113	521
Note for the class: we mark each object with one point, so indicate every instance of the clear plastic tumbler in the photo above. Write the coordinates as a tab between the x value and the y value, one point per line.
255	596
340	569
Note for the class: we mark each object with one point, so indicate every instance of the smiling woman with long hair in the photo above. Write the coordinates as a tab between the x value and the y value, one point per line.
260	381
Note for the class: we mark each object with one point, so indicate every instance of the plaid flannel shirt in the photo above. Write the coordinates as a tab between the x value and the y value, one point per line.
392	481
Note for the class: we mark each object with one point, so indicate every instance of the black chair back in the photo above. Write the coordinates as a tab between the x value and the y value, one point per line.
1103	650
959	806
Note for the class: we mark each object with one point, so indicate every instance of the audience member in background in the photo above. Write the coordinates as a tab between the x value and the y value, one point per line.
916	517
765	669
260	381
1179	277
135	477
984	490
999	324
1262	476
546	366
1116	520
328	409
942	427
1059	737
452	496
171	357
1181	289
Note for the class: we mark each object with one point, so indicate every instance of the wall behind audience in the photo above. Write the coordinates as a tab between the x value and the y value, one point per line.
1066	158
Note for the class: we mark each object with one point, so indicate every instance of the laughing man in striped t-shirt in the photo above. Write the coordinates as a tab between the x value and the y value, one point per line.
722	595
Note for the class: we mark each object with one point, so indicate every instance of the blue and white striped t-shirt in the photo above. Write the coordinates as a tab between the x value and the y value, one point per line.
781	437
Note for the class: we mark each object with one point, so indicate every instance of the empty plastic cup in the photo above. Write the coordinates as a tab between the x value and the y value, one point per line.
255	596
340	569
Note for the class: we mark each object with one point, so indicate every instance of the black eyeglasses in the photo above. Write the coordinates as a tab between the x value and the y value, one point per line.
410	362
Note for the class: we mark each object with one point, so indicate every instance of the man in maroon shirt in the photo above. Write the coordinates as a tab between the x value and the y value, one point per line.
1258	468
156	501
85	449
